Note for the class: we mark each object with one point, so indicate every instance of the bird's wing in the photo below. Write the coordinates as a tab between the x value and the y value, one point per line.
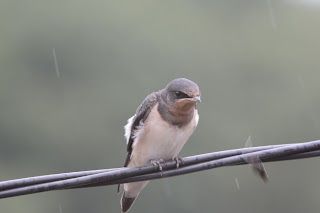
134	122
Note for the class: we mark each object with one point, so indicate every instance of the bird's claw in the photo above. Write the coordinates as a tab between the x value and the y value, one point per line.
177	159
157	163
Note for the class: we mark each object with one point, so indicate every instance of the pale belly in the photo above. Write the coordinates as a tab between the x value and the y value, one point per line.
159	140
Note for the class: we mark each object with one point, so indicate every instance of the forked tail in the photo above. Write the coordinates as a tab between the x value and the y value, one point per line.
126	202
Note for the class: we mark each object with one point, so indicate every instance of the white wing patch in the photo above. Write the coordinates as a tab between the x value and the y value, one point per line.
197	118
138	131
127	128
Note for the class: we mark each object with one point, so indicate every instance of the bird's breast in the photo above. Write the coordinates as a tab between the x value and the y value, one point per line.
157	139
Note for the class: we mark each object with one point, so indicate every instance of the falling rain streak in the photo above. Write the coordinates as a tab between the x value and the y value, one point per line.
55	62
272	16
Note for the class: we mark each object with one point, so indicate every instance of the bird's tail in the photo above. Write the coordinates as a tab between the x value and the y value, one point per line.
126	202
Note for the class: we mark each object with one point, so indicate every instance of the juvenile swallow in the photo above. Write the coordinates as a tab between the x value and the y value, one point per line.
159	129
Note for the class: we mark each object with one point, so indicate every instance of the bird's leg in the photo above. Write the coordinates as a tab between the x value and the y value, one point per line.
177	159
157	163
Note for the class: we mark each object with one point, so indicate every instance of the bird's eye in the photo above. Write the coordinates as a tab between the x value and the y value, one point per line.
181	95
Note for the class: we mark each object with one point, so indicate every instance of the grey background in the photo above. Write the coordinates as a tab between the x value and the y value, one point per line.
256	62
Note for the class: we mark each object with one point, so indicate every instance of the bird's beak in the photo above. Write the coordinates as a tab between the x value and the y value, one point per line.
197	98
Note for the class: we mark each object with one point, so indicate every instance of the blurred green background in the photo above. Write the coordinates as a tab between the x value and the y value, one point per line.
256	62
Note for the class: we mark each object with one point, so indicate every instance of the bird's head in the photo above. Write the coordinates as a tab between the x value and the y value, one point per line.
182	94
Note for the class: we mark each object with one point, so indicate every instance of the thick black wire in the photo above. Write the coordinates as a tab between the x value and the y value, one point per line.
192	164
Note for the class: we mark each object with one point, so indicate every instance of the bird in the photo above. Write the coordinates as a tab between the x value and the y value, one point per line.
159	129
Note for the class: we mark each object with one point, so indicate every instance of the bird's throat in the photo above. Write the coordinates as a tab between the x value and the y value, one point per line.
178	115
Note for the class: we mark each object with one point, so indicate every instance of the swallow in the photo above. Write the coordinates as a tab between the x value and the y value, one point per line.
157	132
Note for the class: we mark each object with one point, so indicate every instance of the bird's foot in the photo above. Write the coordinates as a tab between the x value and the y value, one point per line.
157	163
177	159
